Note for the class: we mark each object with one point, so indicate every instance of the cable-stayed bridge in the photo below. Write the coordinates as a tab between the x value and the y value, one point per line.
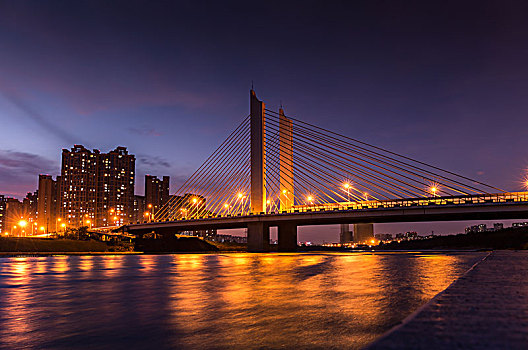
276	170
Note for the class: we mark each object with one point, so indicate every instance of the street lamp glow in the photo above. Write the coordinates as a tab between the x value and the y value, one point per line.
366	196
347	185
433	190
195	200
309	198
42	228
150	205
22	223
226	205
63	225
284	191
240	195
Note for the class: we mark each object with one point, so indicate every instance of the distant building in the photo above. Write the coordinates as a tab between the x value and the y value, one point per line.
363	233
96	189
156	191
47	203
345	235
3	222
15	213
139	208
186	206
520	224
498	226
476	228
383	236
29	205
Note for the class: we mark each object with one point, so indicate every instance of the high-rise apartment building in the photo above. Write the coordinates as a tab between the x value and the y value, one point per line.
96	189
47	203
115	188
29	205
139	209
156	191
3	215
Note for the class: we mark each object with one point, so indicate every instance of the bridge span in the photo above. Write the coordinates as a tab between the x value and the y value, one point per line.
459	208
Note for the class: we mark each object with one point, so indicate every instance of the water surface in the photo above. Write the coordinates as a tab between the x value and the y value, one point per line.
215	301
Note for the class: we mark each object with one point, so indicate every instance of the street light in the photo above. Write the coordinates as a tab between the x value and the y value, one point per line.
347	188
433	190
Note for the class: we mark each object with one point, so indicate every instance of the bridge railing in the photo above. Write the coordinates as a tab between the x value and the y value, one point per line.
507	197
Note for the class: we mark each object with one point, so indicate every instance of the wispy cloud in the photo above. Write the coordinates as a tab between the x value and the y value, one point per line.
39	118
19	171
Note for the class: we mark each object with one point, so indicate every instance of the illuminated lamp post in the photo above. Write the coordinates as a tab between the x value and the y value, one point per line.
22	223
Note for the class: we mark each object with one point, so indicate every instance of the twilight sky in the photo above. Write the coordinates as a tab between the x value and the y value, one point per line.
440	81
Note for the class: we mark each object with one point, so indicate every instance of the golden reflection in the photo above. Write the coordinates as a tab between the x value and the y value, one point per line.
268	300
60	264
112	264
16	319
86	263
240	300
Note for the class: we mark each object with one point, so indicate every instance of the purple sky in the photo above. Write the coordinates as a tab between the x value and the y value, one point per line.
441	81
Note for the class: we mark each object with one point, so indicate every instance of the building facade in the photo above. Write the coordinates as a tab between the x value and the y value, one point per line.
47	203
3	216
139	209
96	189
156	192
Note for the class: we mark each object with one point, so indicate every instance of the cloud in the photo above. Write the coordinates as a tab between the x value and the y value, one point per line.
45	123
19	171
145	132
155	162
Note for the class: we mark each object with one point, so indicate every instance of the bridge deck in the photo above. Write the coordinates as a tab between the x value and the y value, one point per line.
485	207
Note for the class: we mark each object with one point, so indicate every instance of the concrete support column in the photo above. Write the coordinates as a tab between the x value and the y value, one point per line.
257	237
287	233
363	233
286	161
258	155
345	236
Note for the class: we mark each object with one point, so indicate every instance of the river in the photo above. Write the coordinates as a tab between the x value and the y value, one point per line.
216	301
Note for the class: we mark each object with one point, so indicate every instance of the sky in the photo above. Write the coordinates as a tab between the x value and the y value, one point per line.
441	81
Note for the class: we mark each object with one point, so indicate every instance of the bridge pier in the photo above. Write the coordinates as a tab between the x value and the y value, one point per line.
258	237
287	234
363	233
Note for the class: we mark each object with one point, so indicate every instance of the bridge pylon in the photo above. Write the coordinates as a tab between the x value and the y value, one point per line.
286	161
258	155
257	233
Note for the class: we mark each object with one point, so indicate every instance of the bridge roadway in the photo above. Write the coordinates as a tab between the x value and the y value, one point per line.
484	207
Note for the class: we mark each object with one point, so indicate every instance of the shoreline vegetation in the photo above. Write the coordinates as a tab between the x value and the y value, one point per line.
508	238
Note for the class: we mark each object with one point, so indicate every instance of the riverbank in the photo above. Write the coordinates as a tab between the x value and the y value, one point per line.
483	309
508	238
13	246
48	245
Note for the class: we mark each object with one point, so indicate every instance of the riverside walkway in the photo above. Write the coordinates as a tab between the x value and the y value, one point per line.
486	308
